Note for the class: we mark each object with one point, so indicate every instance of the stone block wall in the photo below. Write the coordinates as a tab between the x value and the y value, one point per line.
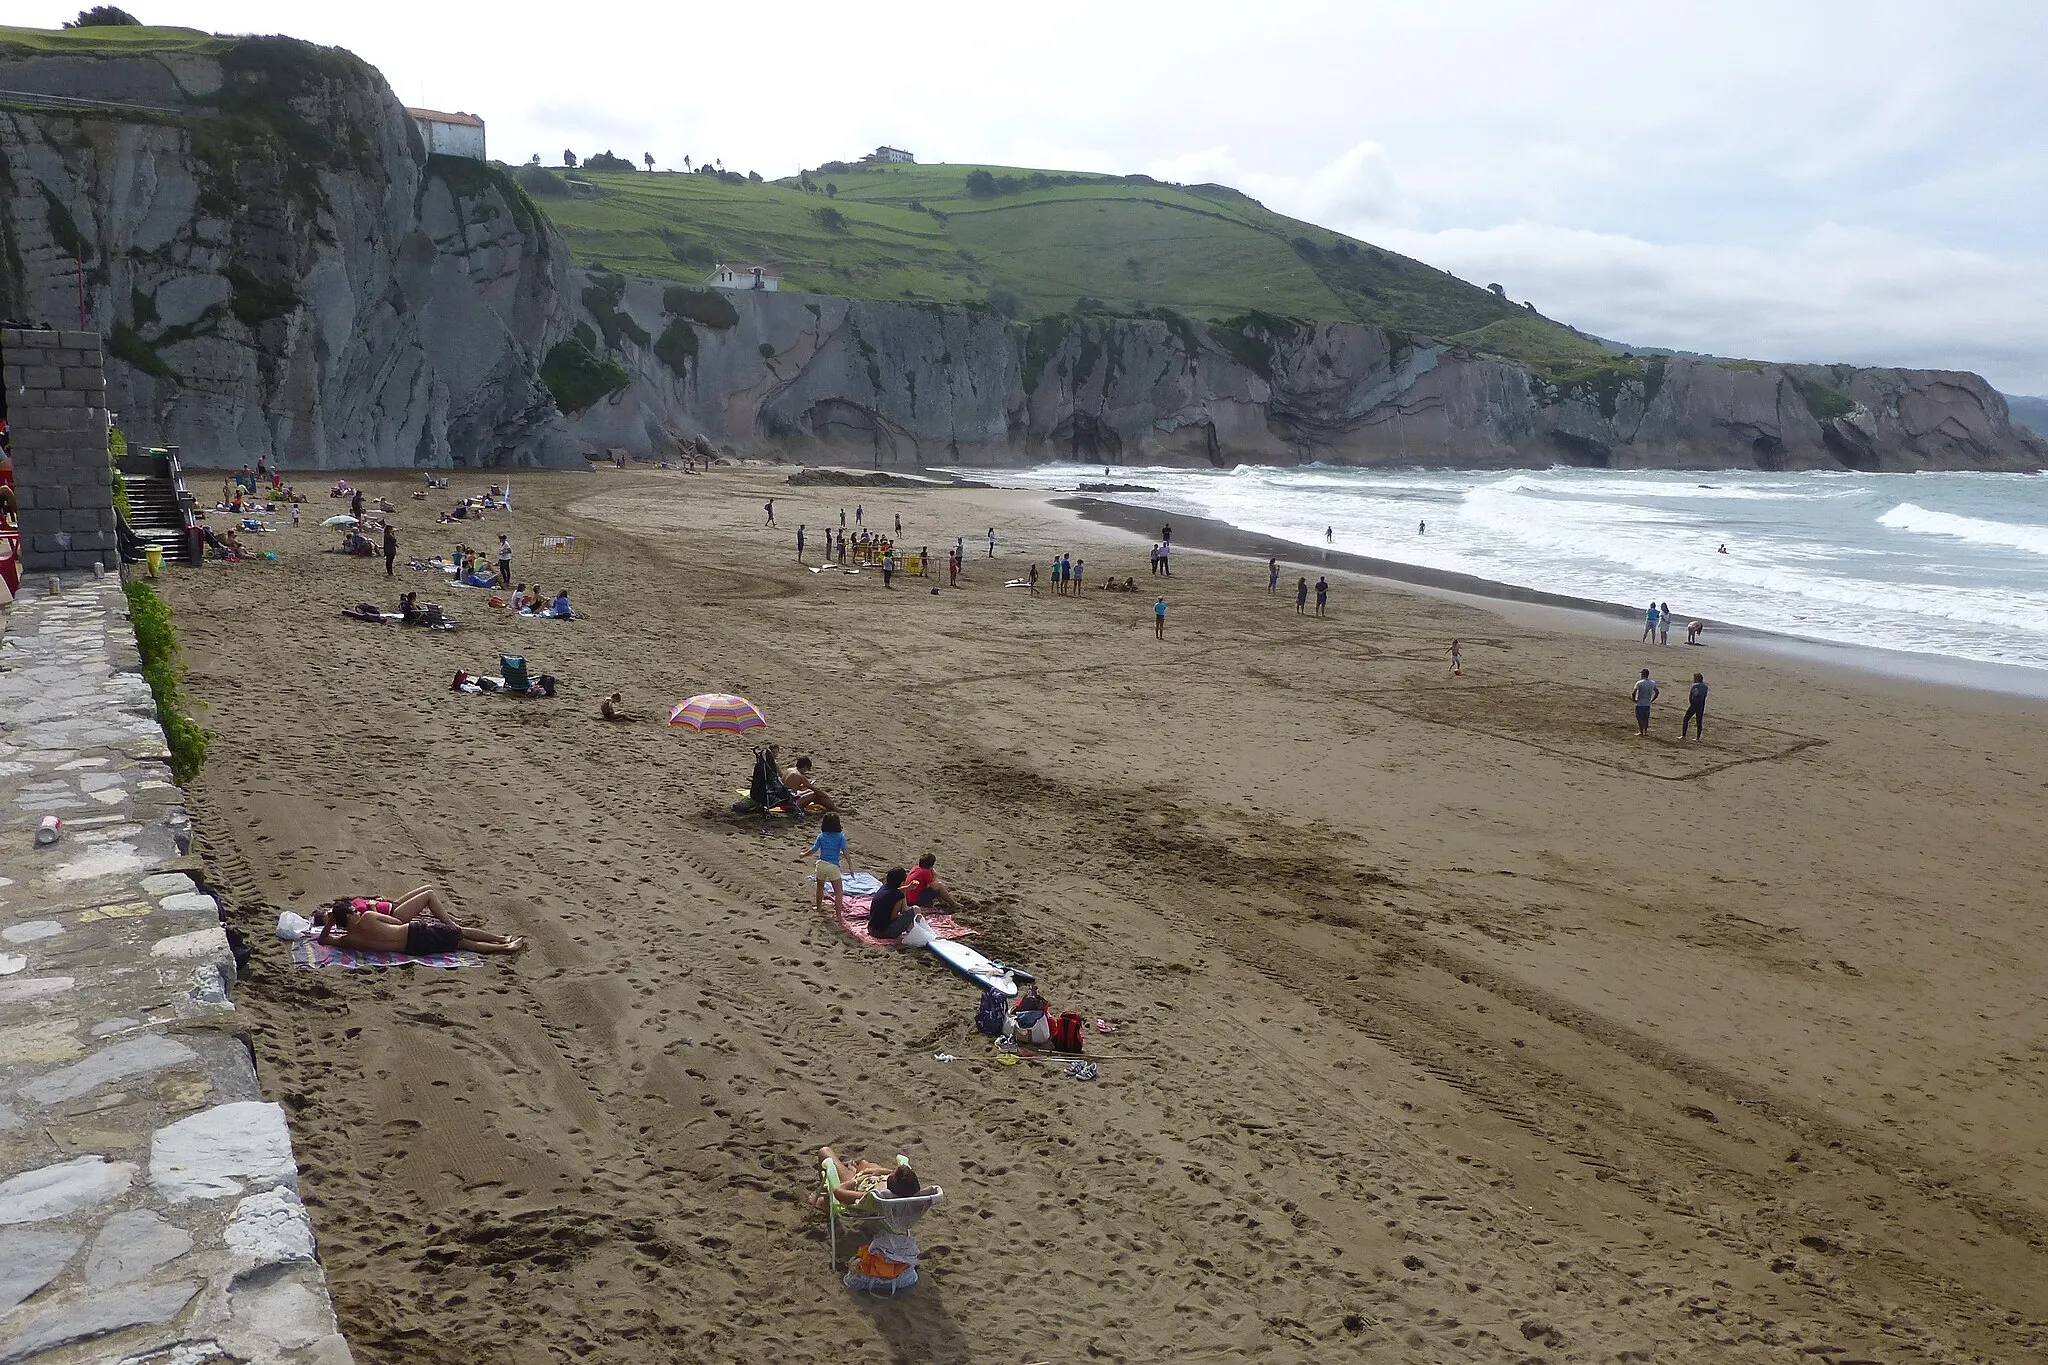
57	428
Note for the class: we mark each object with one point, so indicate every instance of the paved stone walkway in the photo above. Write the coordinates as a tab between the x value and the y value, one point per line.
148	1210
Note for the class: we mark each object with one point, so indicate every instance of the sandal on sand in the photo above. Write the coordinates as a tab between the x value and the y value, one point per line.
1006	1059
1104	1026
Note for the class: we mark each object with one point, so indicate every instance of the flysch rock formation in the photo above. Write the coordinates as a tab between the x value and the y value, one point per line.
279	268
283	272
904	385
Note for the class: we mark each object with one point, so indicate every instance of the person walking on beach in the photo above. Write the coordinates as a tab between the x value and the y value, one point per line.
1322	596
1421	527
390	547
1329	535
1457	660
1166	556
842	518
991	542
1034	578
1159	619
889	567
1695	710
769	507
1664	624
295	514
504	562
1301	597
833	861
799	542
1155	559
1079	566
953	569
1650	623
1272	575
899	523
1644	692
860	514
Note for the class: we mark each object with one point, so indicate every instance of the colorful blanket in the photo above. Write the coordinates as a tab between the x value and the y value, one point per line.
310	953
854	920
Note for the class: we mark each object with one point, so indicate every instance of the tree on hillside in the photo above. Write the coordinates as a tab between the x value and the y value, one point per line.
831	190
981	184
569	158
607	160
648	157
754	176
104	16
832	220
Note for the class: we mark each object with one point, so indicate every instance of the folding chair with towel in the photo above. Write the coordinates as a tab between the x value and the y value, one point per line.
886	1259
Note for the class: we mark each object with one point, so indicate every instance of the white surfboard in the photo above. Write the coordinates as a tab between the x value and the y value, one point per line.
977	967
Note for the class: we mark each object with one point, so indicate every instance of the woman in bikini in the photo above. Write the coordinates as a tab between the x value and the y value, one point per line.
419	923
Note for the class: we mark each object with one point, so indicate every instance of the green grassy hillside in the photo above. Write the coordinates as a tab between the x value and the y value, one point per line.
1036	243
111	40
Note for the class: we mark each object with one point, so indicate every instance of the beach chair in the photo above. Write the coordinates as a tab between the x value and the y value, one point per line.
876	1215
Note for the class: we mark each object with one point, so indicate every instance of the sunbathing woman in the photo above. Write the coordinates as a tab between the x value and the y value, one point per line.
419	924
859	1179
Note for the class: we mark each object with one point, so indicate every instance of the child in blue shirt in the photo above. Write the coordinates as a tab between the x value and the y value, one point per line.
830	850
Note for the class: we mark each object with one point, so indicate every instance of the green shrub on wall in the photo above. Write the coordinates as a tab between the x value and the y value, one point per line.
164	670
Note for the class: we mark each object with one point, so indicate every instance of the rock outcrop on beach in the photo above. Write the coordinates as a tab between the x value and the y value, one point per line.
281	271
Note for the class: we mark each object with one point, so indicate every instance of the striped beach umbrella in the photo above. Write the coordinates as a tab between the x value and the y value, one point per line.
717	711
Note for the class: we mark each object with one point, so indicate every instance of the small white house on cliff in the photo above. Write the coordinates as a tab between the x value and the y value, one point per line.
450	134
745	277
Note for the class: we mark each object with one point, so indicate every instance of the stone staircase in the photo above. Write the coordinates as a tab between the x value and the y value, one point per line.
157	503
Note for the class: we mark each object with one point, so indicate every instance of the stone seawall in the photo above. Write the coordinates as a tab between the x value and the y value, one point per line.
57	428
149	1211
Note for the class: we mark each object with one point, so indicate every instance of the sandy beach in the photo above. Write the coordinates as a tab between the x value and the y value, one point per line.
1453	1022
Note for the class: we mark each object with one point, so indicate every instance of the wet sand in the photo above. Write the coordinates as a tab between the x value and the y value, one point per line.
1454	1022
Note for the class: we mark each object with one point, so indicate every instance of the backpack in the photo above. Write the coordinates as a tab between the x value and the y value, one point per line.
1066	1032
513	666
993	1012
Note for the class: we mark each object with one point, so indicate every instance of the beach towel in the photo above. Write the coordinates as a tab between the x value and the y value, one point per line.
854	920
311	953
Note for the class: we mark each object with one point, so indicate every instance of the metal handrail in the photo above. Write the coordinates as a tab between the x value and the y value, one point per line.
75	102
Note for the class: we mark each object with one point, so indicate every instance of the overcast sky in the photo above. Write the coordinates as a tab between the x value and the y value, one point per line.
1813	181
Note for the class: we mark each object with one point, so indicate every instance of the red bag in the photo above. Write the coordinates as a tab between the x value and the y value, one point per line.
1066	1033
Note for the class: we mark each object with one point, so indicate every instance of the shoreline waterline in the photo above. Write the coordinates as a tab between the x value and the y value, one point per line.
1588	614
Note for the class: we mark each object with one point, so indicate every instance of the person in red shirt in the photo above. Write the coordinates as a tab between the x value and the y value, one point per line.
923	888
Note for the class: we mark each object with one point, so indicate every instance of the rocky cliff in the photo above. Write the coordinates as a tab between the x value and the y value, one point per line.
282	272
904	384
278	267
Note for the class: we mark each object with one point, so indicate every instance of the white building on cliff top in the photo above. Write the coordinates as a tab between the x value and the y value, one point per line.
450	134
745	277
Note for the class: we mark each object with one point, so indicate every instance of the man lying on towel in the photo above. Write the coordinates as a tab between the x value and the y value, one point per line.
418	924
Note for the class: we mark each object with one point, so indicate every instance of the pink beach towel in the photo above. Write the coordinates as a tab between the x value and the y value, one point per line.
854	920
308	952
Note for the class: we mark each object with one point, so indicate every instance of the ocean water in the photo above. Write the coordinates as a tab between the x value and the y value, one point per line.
1954	565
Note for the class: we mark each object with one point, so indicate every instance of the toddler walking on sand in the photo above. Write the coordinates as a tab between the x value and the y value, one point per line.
830	850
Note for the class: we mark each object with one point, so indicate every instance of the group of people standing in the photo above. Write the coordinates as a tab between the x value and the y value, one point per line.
1657	625
1300	590
1645	691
